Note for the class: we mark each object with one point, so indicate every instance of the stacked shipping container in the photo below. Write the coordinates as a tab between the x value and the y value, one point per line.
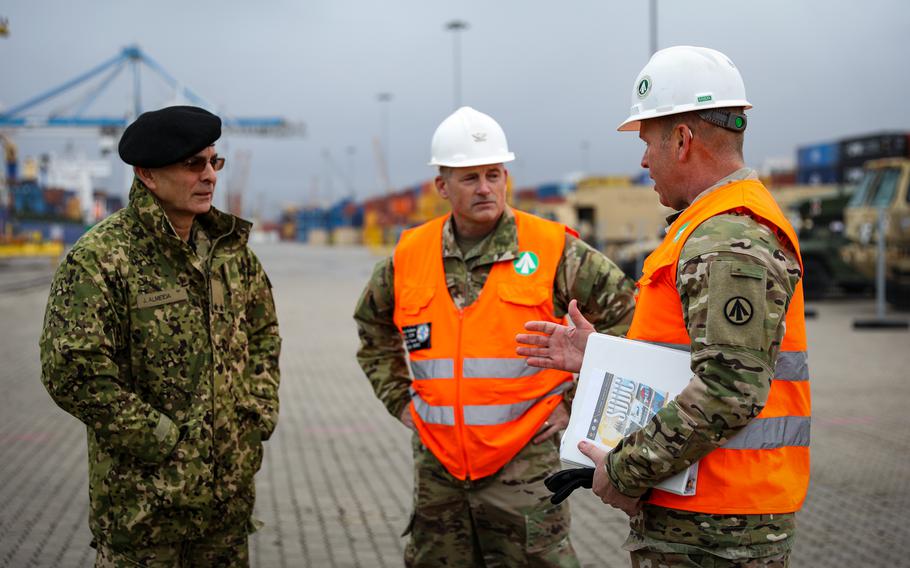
842	161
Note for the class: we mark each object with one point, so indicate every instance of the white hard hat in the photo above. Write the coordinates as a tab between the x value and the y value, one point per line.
469	138
683	79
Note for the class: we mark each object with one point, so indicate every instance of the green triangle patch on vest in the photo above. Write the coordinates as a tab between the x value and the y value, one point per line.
526	263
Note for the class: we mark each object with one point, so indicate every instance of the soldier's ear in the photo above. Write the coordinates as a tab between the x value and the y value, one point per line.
146	176
683	139
441	187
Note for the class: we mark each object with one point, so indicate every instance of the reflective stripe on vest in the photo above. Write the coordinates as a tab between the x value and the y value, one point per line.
790	366
767	433
498	368
477	415
430	414
433	369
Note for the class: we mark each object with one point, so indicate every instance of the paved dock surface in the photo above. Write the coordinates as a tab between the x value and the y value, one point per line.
335	488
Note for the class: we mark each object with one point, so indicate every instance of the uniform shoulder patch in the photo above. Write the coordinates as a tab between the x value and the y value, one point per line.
738	310
736	303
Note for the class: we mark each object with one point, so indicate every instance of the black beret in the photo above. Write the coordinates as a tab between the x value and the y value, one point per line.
163	137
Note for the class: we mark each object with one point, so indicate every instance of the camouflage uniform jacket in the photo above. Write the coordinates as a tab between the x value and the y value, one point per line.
604	294
729	388
169	355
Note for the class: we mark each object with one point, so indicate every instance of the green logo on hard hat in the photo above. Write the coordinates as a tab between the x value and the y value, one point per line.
704	98
644	87
526	263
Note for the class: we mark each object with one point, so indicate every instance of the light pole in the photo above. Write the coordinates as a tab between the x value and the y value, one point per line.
352	179
456	26
653	27
384	100
585	153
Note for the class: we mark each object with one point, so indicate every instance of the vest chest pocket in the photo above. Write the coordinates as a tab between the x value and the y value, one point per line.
414	299
523	294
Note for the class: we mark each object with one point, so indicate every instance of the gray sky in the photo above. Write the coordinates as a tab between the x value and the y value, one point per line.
555	75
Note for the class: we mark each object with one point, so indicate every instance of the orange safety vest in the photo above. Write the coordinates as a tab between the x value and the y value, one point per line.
764	468
475	403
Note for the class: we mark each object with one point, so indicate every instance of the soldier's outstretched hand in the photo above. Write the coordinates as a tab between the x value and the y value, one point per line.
556	346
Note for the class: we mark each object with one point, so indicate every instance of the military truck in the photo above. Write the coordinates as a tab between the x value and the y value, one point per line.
883	186
819	221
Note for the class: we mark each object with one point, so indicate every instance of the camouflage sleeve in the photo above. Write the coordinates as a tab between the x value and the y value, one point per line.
605	294
381	355
735	281
264	347
84	329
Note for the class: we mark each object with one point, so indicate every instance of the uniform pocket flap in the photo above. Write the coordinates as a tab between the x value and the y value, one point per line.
413	300
523	295
747	270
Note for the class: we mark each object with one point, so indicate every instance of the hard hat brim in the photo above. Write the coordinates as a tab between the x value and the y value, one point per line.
486	161
633	123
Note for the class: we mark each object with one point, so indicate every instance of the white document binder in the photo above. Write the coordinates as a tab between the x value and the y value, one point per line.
622	384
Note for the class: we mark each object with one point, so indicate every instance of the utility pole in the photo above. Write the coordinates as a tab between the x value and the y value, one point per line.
352	178
585	154
384	100
456	26
653	27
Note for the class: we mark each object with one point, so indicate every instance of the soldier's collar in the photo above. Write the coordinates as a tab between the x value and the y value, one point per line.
151	214
739	175
501	244
149	210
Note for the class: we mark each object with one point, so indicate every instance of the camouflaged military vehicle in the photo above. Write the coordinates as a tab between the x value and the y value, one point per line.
884	186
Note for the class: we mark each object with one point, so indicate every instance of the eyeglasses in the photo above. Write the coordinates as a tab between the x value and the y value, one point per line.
197	164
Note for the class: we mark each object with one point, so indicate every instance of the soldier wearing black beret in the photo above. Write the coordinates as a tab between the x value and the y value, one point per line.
161	337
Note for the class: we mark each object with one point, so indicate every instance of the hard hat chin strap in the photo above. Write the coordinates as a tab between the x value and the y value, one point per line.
735	121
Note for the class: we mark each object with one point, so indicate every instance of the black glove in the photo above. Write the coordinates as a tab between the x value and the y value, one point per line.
562	484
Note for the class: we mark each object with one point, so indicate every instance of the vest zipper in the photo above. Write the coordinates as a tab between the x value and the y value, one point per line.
459	409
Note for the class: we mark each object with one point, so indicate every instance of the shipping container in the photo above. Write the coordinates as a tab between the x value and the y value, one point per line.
310	220
642	178
345	236
526	194
4	222
27	200
114	204
819	175
818	156
782	177
550	191
402	205
856	151
288	231
67	232
852	175
337	216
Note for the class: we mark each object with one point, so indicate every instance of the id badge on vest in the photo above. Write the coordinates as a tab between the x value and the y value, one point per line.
417	337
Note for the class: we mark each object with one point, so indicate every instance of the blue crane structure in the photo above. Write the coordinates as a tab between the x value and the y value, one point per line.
132	56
